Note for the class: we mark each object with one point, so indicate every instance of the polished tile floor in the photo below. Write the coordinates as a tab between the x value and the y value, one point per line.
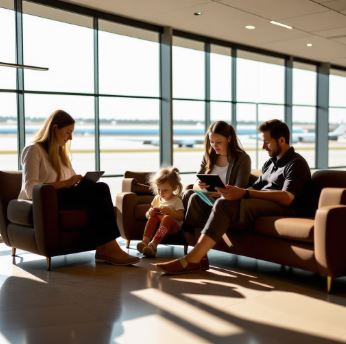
239	300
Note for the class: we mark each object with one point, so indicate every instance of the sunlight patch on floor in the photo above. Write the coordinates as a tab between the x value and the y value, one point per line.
187	312
281	310
153	328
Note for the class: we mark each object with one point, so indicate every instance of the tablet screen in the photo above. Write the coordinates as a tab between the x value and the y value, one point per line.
93	176
213	180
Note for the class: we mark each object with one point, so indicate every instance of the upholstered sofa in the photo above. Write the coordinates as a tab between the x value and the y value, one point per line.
38	226
314	241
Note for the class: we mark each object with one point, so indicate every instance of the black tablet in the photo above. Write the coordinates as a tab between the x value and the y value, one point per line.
93	176
213	180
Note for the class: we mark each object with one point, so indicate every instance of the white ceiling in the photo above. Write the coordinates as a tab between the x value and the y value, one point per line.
320	22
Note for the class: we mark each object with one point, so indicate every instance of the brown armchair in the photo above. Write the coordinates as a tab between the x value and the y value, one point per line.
132	204
38	226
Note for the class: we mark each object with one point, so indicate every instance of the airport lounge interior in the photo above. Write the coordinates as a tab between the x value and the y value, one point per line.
172	171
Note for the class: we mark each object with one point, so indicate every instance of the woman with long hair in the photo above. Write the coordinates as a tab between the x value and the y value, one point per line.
224	156
47	160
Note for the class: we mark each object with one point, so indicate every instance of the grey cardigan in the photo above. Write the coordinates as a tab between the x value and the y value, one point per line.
238	171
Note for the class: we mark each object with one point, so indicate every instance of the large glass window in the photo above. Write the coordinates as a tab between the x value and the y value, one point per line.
337	118
220	73
61	41
129	134
7	44
188	115
260	78
128	60
8	132
304	111
129	127
188	134
188	69
260	96
39	106
220	84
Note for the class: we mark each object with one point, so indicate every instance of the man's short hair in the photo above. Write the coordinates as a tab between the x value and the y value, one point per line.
276	129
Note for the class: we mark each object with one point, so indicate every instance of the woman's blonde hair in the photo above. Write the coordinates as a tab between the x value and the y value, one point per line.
58	155
168	175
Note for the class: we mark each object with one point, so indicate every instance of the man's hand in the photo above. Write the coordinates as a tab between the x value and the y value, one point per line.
231	192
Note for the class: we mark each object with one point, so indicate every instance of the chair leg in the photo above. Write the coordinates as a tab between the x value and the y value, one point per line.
329	283
49	263
13	251
186	246
128	243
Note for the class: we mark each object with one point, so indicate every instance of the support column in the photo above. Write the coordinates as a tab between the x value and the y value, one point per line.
20	80
96	97
289	94
234	88
207	85
322	116
166	114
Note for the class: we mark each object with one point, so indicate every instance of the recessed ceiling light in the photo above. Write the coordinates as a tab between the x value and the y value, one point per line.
198	13
250	27
282	25
309	44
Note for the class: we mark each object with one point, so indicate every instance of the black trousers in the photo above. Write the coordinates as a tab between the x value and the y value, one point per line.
96	200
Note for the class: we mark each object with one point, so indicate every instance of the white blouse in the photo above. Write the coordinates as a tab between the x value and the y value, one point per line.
221	171
37	169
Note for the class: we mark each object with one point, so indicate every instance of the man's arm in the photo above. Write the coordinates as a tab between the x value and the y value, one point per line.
282	197
234	193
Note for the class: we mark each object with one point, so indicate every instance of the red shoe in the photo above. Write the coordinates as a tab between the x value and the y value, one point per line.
182	266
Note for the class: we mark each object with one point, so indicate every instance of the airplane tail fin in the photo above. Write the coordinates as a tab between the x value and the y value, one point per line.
339	131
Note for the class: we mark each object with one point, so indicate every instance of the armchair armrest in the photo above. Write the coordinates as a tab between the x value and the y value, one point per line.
20	212
45	217
127	184
332	196
330	240
125	203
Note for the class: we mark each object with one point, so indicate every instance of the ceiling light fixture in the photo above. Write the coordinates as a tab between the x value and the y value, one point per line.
309	45
282	25
198	13
250	27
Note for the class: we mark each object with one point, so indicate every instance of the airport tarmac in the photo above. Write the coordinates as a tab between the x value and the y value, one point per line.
121	154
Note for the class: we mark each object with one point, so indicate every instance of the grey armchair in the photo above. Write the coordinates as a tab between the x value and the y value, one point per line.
38	226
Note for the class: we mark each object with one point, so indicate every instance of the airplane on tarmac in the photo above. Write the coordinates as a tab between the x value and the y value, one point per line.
310	136
186	136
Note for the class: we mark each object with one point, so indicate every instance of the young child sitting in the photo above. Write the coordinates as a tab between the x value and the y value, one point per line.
166	213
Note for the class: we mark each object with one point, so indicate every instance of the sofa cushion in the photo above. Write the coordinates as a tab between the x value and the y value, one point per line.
73	220
140	210
141	188
20	212
294	228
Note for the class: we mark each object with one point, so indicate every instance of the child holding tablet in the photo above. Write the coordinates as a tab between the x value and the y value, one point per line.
166	214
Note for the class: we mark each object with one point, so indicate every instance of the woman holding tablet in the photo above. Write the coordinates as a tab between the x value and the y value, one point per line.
47	161
224	157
